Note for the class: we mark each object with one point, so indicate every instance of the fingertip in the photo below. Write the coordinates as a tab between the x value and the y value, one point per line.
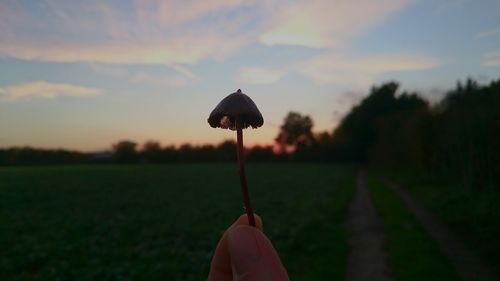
244	249
243	220
253	255
220	267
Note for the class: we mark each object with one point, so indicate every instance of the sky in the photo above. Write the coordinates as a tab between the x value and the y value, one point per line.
85	74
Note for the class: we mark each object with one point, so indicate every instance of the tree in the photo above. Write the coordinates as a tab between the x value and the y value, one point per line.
467	133
261	154
358	131
226	151
151	151
295	133
125	152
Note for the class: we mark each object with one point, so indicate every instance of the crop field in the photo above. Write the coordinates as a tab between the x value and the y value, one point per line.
163	222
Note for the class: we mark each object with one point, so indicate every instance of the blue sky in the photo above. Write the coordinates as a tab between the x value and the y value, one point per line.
85	74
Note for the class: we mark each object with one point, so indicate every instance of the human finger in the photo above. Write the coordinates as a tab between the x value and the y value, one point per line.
220	267
253	256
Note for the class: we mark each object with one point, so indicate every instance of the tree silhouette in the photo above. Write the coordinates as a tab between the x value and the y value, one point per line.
357	132
125	152
295	133
458	139
152	152
226	151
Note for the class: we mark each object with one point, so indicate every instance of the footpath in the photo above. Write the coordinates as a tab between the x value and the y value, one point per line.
368	259
466	263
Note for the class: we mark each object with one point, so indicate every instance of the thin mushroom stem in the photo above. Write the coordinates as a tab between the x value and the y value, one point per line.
243	177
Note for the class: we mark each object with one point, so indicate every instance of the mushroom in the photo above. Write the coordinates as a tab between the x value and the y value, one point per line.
237	112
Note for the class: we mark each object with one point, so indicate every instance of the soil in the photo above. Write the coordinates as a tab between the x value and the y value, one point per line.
367	258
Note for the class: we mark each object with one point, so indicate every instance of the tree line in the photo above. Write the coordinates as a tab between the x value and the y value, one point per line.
457	137
153	152
130	152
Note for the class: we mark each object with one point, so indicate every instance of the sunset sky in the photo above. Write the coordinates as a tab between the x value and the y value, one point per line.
85	74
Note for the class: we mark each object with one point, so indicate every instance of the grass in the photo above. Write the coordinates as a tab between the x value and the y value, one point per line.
412	253
326	260
474	214
163	222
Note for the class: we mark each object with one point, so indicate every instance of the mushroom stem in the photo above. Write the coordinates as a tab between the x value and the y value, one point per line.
243	177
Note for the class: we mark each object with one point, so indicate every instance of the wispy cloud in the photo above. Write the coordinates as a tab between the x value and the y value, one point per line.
162	80
182	50
324	23
488	33
46	90
145	32
359	70
176	12
186	72
179	32
109	69
442	7
260	75
181	77
492	59
345	69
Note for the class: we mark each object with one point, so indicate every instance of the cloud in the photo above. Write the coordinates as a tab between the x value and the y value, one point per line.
184	71
345	69
357	70
442	7
492	59
488	33
182	77
109	69
259	75
141	32
46	90
325	23
185	50
174	32
175	12
162	80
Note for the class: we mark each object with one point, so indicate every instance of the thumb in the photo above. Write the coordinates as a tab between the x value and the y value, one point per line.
253	257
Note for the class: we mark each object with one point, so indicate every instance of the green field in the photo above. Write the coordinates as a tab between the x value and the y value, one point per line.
163	222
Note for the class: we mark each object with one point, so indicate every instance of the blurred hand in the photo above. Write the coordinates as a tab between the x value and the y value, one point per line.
244	253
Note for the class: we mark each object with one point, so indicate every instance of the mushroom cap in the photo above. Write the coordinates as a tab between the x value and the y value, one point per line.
236	106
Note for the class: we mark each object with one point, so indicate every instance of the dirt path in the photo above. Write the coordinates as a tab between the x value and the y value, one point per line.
465	262
367	257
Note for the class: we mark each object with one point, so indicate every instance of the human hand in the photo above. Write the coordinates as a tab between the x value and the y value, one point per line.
244	253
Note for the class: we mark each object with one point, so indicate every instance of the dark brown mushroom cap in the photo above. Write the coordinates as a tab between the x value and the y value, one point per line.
236	106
